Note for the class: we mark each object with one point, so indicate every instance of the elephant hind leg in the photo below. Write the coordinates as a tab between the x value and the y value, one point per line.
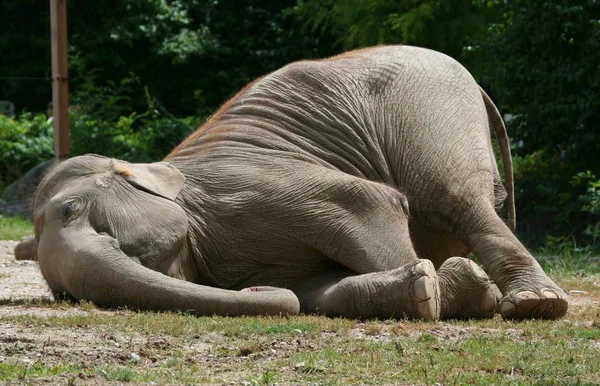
528	292
409	291
434	244
466	290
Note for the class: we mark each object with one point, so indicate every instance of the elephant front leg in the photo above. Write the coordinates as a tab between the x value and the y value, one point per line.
528	291
409	291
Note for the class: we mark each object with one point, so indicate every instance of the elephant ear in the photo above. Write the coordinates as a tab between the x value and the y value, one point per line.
159	178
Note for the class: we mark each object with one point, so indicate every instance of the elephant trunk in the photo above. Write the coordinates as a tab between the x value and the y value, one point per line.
91	266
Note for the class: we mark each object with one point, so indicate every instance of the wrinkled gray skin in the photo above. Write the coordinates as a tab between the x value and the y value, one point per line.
26	249
355	183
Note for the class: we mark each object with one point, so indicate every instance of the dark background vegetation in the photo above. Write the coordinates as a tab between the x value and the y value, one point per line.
144	74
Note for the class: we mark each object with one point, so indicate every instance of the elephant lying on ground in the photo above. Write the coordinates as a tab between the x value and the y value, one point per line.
353	182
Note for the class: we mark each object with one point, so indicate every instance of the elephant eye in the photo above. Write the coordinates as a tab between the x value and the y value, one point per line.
68	210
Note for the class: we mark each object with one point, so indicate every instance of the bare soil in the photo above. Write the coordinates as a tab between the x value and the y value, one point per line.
19	279
98	346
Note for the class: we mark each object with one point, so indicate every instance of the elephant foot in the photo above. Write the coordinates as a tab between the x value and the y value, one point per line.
425	291
409	291
466	290
26	249
547	301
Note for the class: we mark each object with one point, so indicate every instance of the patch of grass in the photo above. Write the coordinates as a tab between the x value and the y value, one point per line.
579	283
257	326
21	371
14	228
176	348
478	358
269	377
567	256
178	325
119	374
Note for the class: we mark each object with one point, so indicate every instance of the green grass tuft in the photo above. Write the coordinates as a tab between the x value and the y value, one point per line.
120	374
22	371
565	255
14	228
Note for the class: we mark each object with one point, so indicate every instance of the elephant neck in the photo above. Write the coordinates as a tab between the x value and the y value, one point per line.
190	264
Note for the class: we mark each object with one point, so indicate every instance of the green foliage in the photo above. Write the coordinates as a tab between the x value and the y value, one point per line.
183	49
24	142
119	374
16	371
177	48
563	254
549	81
25	53
135	138
102	122
14	228
137	67
554	201
447	26
590	202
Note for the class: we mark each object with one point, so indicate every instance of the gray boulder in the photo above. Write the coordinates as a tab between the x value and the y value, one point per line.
16	198
24	187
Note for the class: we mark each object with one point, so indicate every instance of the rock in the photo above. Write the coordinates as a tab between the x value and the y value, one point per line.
15	200
16	208
577	292
24	187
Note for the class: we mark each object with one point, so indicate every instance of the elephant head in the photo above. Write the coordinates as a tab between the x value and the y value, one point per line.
108	231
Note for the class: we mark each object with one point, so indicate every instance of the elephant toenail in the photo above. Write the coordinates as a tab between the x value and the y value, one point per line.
549	295
424	288
526	295
507	308
497	292
427	294
489	302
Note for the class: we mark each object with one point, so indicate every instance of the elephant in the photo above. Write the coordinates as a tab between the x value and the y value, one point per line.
26	249
352	186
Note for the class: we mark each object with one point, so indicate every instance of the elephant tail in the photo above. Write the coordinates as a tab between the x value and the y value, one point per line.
497	126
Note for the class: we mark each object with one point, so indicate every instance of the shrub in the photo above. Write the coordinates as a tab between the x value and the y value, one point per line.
134	138
590	203
104	122
555	201
24	142
160	136
28	140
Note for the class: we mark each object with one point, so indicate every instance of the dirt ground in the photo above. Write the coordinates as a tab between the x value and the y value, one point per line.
19	279
85	347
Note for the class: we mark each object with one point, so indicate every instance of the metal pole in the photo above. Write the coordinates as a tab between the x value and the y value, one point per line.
60	77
